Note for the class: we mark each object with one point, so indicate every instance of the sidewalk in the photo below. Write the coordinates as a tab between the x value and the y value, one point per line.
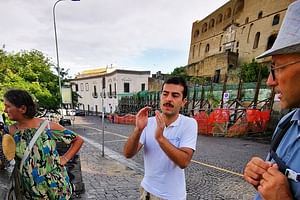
108	177
105	178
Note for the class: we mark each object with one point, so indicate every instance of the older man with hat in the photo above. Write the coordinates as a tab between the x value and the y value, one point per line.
278	177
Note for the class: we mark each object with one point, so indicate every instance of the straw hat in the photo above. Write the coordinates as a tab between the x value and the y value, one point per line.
288	39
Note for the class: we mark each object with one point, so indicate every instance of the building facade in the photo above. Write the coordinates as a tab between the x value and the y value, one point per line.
100	89
232	35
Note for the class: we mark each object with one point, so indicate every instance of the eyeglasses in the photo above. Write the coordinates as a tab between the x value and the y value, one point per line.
273	68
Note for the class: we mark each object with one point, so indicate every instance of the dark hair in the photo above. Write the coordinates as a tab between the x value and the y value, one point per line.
178	80
19	98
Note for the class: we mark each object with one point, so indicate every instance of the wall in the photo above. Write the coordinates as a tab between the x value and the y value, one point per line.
236	32
92	100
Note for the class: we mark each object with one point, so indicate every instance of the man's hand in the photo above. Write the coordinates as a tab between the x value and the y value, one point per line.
142	118
160	125
254	170
274	185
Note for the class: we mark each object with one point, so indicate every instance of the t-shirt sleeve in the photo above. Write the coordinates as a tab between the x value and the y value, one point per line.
190	133
66	136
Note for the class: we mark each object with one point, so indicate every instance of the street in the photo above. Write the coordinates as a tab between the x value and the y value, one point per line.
214	173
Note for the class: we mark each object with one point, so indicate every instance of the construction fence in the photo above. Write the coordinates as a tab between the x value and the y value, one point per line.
219	109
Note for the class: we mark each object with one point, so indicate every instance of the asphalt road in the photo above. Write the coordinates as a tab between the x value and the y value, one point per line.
214	173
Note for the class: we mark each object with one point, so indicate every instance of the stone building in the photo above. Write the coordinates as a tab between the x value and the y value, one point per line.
232	35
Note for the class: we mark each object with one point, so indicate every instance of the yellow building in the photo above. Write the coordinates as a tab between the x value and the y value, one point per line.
232	35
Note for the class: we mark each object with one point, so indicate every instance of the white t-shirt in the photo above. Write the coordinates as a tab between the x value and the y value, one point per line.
163	178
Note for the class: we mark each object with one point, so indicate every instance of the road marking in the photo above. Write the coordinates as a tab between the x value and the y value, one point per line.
194	161
217	168
116	134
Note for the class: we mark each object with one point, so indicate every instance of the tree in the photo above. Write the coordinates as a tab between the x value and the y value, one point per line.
180	71
250	71
30	70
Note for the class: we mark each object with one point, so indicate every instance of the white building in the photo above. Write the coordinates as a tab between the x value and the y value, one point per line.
100	89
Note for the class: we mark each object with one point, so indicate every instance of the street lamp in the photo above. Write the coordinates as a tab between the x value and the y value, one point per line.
57	58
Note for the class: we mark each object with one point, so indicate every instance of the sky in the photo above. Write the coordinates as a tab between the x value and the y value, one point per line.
128	34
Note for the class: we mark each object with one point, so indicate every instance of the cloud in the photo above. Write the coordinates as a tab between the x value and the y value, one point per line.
137	34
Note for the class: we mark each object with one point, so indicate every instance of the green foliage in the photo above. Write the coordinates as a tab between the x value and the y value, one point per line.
198	80
250	71
180	71
30	70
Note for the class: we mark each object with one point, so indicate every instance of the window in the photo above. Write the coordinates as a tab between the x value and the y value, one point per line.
239	6
260	14
115	94
126	87
143	86
76	87
276	20
228	13
196	34
207	48
217	76
81	87
94	94
271	41
219	19
86	87
211	23
103	82
220	43
256	40
204	27
110	91
246	20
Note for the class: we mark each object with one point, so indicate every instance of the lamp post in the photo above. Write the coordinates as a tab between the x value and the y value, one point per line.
57	57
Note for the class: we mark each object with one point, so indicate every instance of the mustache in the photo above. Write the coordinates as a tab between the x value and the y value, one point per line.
168	104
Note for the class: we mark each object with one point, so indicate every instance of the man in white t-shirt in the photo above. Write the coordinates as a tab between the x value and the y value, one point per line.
169	140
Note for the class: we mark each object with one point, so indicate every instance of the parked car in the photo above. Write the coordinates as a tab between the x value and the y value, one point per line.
79	113
65	122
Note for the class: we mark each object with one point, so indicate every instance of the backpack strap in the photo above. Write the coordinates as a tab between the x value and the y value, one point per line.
286	124
283	168
32	142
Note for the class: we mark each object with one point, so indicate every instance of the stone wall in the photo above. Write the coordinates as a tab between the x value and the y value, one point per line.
246	27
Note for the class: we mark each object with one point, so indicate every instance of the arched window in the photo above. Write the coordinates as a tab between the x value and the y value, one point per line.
204	27
238	7
228	13
271	41
219	19
276	20
196	33
211	23
260	14
256	40
207	48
